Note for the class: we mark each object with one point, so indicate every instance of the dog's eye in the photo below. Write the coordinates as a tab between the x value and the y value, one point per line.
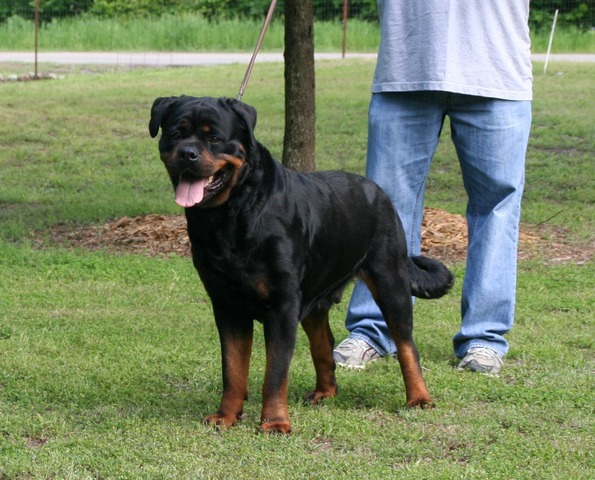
175	135
214	139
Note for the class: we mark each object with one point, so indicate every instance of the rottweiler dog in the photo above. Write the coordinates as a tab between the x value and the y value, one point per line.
278	246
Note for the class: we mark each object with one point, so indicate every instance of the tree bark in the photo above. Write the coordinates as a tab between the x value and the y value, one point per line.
300	108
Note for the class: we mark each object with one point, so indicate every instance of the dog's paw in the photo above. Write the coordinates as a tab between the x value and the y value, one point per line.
316	396
275	426
220	420
423	403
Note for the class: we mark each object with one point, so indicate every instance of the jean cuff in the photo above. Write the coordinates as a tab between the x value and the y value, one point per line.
370	342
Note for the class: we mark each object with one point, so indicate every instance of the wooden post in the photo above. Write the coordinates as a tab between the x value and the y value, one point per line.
36	35
345	16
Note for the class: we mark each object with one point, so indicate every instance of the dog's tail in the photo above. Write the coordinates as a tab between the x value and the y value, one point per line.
429	278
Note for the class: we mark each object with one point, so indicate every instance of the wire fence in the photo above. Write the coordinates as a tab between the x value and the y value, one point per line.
200	32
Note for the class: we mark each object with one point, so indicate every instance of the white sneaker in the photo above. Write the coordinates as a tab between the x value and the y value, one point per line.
354	353
481	359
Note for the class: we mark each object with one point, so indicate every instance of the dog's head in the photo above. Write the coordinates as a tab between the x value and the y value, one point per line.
205	144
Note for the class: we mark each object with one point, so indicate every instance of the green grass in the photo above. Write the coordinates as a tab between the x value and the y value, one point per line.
566	40
187	32
180	33
108	362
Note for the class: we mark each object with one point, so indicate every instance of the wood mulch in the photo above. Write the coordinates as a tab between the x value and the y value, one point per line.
444	236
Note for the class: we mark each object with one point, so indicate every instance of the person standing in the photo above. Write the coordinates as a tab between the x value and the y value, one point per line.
470	61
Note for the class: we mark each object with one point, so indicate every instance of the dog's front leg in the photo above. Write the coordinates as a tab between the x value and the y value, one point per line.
280	337
236	347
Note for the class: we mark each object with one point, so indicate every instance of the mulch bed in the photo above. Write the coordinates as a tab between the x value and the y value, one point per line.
444	236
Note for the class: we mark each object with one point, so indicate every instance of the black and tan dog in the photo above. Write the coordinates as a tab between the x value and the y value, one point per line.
278	246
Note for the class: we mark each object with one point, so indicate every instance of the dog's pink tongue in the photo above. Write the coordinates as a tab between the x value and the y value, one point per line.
189	193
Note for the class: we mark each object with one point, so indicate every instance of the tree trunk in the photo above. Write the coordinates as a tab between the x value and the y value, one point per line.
300	109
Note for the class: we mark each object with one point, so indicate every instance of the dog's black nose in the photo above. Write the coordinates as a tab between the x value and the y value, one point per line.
188	153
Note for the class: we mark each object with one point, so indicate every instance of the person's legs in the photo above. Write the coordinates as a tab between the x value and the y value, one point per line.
403	132
491	139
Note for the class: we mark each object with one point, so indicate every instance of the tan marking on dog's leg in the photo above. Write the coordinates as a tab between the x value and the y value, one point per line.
319	334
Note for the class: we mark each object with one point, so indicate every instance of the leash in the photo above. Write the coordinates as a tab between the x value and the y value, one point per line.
267	21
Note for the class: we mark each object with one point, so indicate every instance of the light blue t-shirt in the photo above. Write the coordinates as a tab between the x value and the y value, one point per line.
473	47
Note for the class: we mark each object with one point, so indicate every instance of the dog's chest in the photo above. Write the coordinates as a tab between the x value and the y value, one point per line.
244	274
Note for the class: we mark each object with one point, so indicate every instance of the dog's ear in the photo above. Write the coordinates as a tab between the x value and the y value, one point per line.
246	113
160	109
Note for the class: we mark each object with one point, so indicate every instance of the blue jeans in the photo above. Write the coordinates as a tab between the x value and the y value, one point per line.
490	137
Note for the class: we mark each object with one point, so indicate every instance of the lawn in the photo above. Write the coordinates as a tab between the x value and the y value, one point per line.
108	362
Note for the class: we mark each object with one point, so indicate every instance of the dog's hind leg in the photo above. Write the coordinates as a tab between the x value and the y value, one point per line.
389	283
318	330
